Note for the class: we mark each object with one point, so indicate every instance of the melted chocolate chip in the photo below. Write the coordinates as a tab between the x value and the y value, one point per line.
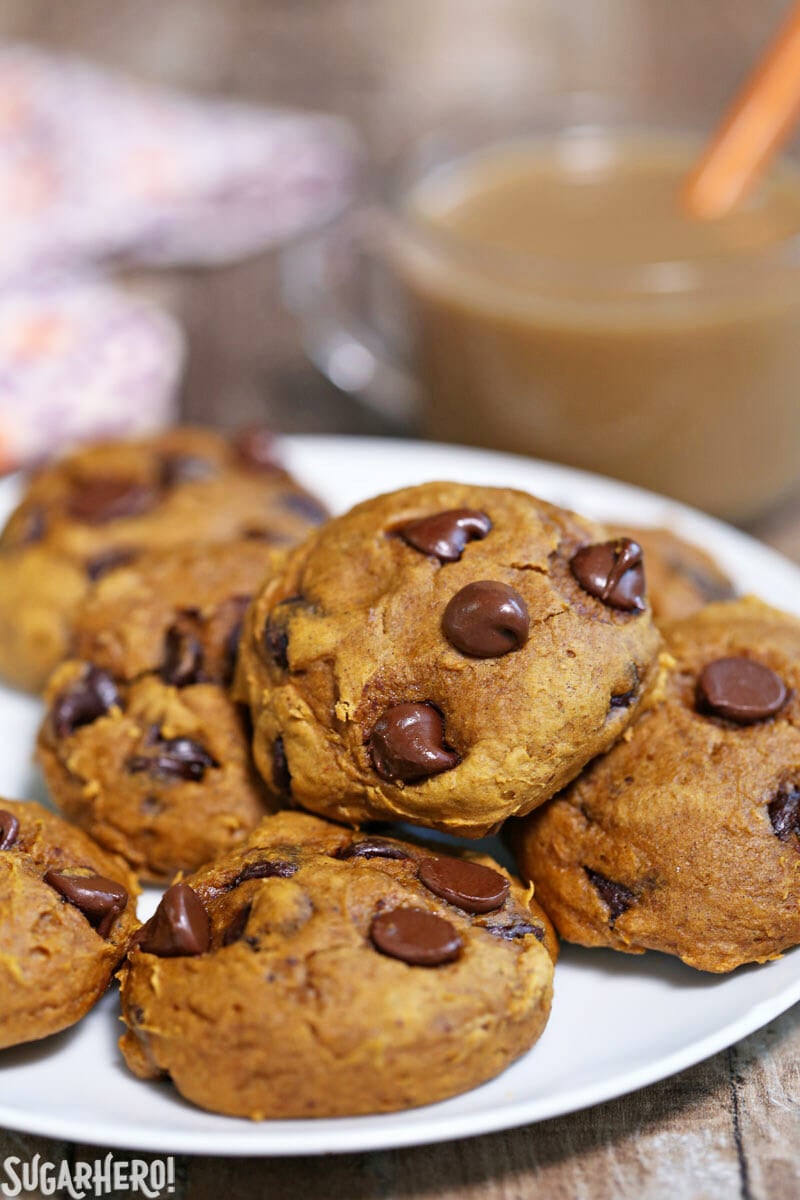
183	658
515	929
305	506
615	896
174	758
9	830
740	690
408	743
613	572
103	564
372	848
468	885
281	775
184	468
100	900
179	927
276	632
97	501
486	619
274	868
91	696
415	937
255	446
445	535
625	699
784	813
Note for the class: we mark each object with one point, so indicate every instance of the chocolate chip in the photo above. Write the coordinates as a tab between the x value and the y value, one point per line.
235	610
97	501
486	619
740	690
415	937
615	896
515	929
281	775
103	564
183	658
305	506
174	758
184	468
625	699
179	927
91	696
9	829
255	446
784	813
269	868
711	586
276	633
408	743
372	848
468	885
100	900
613	572
444	535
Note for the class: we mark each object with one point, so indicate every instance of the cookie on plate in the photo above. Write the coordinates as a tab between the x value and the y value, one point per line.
446	654
112	503
681	577
685	837
142	745
67	912
316	972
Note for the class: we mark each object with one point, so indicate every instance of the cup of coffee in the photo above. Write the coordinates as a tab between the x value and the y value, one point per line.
537	288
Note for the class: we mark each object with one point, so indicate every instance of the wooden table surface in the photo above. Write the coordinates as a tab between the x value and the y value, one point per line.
729	1127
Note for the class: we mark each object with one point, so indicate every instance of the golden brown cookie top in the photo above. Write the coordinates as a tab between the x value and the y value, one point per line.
446	654
686	836
176	613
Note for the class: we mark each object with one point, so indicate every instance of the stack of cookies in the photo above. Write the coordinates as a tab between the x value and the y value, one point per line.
249	703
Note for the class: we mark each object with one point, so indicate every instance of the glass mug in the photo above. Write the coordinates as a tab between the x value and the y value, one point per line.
682	376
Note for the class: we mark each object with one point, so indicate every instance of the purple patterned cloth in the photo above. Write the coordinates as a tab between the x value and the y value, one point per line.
81	359
95	166
97	169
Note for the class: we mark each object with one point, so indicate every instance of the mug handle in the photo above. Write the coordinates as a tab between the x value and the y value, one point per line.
334	283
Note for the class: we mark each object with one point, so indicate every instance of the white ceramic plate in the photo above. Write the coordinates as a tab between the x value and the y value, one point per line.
619	1022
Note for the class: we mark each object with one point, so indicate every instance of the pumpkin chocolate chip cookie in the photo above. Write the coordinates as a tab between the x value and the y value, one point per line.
67	914
445	654
116	502
142	745
685	837
316	972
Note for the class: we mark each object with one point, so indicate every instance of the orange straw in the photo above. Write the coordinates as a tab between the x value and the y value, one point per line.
759	121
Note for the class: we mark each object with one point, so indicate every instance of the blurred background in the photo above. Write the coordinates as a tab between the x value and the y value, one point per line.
394	71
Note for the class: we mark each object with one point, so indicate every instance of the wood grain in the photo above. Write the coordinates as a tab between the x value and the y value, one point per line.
728	1128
